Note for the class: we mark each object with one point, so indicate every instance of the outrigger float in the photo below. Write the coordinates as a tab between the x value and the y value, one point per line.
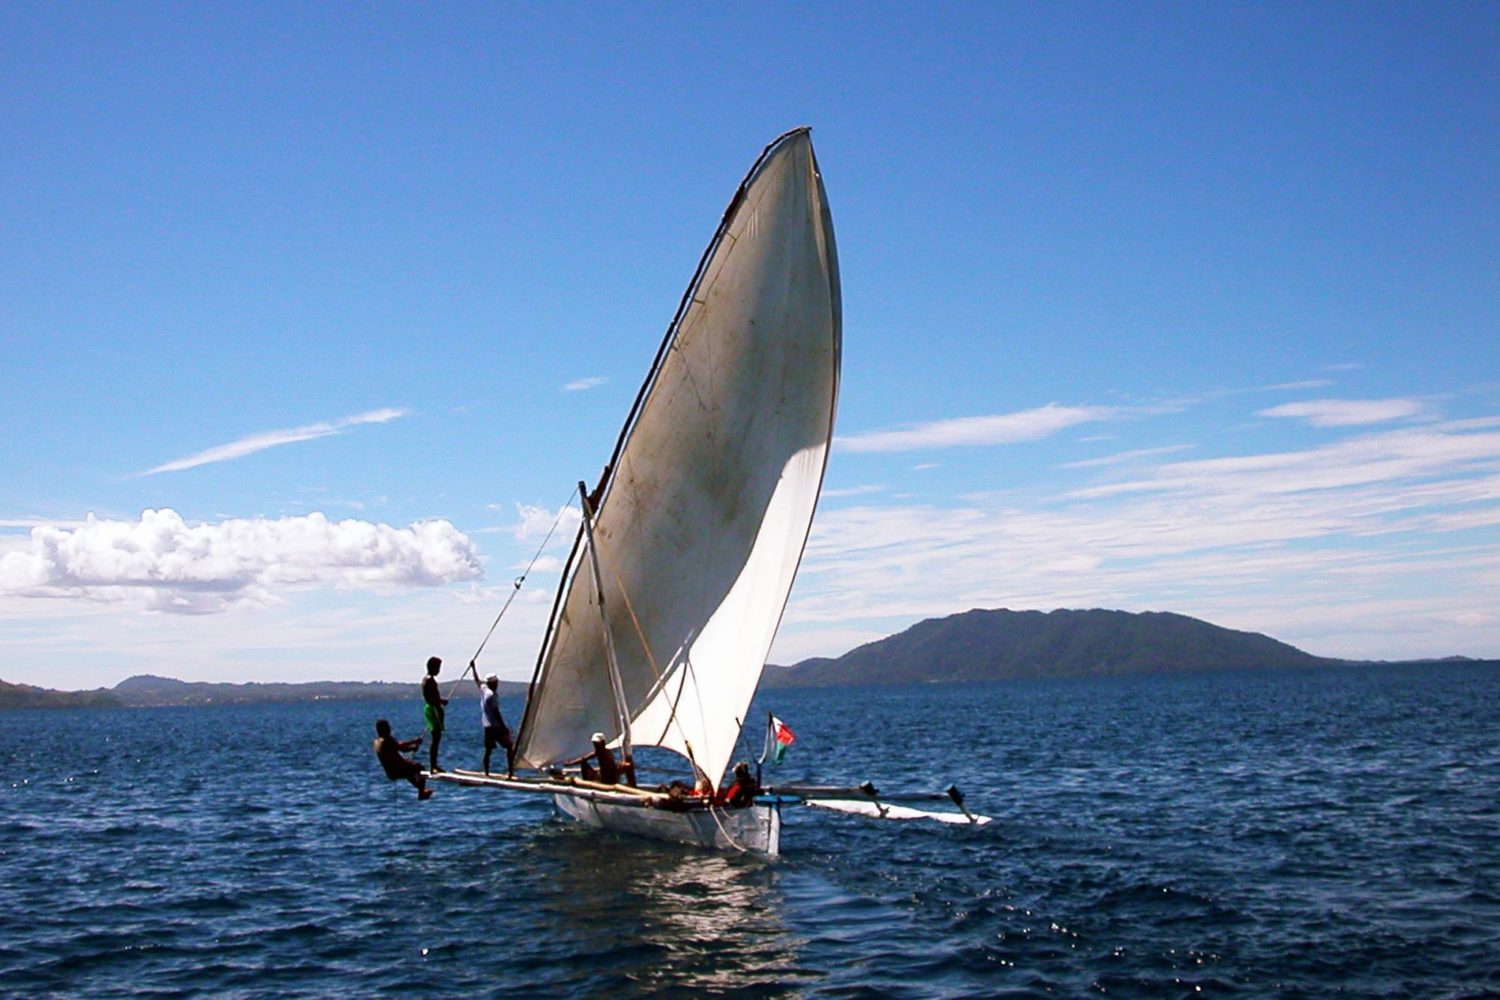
690	542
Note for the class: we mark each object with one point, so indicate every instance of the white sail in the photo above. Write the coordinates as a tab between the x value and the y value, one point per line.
708	500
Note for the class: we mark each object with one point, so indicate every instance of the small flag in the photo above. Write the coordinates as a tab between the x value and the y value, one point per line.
779	736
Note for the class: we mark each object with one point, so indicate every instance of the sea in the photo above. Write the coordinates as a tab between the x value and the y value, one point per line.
1332	832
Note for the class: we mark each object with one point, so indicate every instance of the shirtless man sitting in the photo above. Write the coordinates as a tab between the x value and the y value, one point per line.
389	751
608	772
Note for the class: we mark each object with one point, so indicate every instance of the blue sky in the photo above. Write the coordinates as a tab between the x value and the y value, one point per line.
313	315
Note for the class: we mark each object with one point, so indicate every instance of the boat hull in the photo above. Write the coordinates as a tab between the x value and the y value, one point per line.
756	829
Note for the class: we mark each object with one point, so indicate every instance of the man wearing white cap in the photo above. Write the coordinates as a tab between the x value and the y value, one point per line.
609	772
496	732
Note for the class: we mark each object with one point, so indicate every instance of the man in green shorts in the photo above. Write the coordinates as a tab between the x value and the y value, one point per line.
432	711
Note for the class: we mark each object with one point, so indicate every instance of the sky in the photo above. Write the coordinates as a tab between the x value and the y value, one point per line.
312	316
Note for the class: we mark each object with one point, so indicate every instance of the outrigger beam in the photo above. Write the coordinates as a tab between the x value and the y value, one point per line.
577	787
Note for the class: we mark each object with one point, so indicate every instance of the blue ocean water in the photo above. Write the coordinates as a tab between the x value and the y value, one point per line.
1293	834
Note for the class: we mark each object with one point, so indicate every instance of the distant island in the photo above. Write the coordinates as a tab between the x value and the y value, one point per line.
976	645
1000	645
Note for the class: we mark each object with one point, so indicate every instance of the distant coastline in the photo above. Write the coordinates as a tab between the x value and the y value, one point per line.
975	645
150	691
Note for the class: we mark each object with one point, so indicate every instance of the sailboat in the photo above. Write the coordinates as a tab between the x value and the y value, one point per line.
691	539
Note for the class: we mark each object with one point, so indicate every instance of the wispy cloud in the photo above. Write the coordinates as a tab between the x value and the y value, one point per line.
854	491
579	385
1348	412
34	522
1003	428
273	439
1314	383
1126	457
166	564
1318	546
1389	456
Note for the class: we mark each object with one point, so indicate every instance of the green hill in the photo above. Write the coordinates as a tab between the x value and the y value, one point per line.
26	696
1007	645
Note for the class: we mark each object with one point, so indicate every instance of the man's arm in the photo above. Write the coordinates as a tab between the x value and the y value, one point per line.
407	746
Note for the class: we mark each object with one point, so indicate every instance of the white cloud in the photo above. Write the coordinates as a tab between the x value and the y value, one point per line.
1003	428
33	522
538	522
166	564
1439	449
1315	383
544	564
1348	412
1125	457
854	491
1303	545
579	385
272	439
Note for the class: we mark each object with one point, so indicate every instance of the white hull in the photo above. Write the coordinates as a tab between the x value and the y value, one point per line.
756	829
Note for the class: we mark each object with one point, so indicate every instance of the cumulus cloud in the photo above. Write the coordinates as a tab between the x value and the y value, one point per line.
1002	428
1348	412
579	385
272	439
167	564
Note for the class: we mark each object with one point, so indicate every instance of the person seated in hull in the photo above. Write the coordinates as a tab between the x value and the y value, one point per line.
389	750
608	771
742	790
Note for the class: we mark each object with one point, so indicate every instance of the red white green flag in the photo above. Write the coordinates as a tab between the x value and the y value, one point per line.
779	736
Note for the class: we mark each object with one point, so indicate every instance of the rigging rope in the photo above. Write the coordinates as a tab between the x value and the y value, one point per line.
673	720
514	590
516	585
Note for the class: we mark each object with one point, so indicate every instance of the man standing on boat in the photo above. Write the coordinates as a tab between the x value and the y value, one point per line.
432	711
495	729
